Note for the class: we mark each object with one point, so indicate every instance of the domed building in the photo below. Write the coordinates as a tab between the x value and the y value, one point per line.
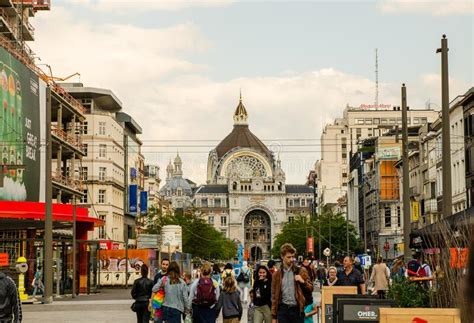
246	196
177	190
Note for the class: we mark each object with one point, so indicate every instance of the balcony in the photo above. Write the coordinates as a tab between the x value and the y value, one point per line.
72	140
66	182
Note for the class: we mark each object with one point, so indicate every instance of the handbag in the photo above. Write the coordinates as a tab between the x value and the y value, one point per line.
134	307
158	299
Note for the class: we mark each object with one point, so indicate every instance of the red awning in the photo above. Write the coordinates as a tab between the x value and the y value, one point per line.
36	211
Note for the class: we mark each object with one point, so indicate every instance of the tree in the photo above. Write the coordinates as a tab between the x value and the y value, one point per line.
333	234
199	238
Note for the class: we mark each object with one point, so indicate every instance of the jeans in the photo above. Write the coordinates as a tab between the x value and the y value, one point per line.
203	314
262	314
244	292
171	315
289	314
143	315
40	287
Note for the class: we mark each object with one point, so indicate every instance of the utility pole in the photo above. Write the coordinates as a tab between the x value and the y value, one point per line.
446	136
48	217
406	177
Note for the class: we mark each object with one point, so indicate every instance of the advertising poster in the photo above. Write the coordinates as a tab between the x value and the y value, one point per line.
22	131
133	197
115	261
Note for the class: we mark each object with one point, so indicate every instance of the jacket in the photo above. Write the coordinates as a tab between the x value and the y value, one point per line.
380	277
230	304
262	293
141	290
176	295
300	289
10	305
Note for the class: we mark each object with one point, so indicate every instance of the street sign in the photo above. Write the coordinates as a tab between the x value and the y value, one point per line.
4	259
327	252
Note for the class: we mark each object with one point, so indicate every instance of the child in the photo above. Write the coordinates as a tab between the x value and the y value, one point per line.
229	302
309	311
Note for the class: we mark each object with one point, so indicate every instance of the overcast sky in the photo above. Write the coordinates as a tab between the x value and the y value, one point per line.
178	66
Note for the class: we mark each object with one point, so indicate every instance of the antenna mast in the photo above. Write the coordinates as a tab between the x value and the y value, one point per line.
376	80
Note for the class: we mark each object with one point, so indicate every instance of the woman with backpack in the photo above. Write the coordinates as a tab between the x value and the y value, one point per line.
228	271
244	279
229	302
176	293
262	296
203	296
216	274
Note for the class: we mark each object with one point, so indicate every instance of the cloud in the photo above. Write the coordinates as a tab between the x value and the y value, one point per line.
171	97
126	6
435	8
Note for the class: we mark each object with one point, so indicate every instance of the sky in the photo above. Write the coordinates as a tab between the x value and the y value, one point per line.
178	66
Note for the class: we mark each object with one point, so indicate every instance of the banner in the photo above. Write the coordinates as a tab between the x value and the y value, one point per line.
133	196
143	203
310	245
22	130
415	207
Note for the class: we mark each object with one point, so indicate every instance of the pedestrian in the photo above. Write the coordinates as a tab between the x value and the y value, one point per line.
398	269
141	293
380	278
262	296
322	276
289	286
309	268
228	271
165	262
358	266
309	312
244	280
10	304
229	302
176	294
216	274
203	297
271	266
338	266
351	276
332	277
38	282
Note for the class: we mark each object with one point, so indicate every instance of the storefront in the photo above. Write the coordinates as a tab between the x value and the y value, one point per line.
22	234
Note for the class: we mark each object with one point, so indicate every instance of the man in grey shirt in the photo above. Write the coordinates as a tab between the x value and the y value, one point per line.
289	287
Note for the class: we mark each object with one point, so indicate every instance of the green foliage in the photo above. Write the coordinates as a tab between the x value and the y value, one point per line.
333	228
199	238
408	294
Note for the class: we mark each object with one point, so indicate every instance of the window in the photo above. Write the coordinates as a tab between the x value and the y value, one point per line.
291	219
84	128
344	155
204	202
224	232
102	173
423	120
399	220
290	203
368	121
102	228
384	121
210	220
376	120
85	147
83	173
223	220
102	128
344	143
217	202
102	150
101	196
359	121
344	175
84	197
303	203
388	217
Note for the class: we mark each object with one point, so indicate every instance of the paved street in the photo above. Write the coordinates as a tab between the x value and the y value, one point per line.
111	305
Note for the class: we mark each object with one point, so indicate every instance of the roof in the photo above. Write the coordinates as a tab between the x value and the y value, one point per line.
242	137
129	122
177	182
105	98
299	189
216	189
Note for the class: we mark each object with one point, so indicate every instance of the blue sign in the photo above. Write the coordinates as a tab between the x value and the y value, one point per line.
143	202
133	173
132	198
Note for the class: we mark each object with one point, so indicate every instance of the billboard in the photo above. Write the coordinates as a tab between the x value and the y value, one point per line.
22	131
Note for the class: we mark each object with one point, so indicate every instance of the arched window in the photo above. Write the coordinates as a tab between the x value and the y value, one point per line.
280	186
234	186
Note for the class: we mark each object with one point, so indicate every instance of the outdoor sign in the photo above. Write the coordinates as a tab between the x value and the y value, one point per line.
458	257
365	261
310	245
415	206
4	259
143	203
327	299
22	130
389	153
360	309
419	315
132	198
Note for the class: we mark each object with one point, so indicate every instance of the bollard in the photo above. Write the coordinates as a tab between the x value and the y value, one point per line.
22	268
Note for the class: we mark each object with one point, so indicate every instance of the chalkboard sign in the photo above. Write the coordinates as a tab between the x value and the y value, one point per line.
338	297
361	310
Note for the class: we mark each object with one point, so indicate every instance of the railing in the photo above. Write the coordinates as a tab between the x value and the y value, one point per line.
28	61
67	181
73	140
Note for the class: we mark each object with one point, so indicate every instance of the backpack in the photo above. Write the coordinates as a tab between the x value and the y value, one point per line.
206	293
414	269
243	277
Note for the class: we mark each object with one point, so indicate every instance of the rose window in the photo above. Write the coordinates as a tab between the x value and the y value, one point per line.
246	167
